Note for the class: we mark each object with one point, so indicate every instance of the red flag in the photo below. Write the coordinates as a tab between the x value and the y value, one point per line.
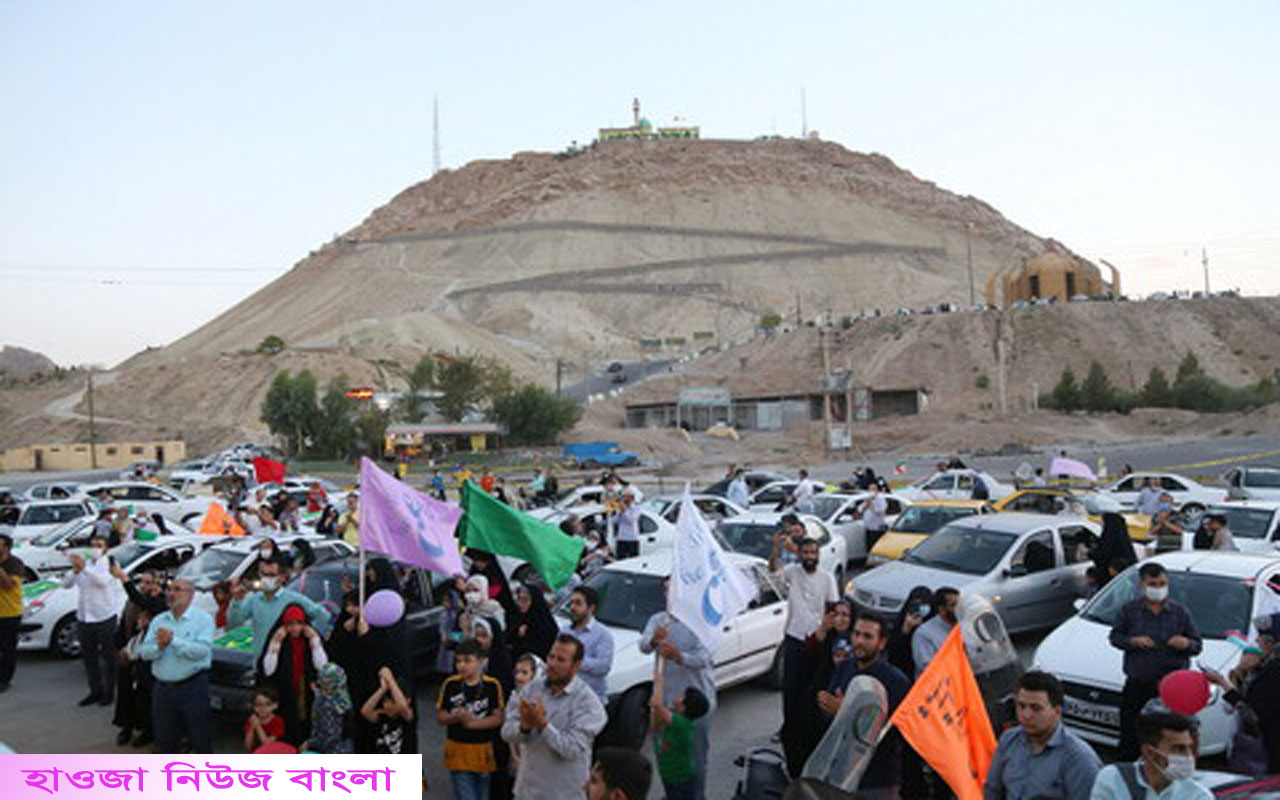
267	471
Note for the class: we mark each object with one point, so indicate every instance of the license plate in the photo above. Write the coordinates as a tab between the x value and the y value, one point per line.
215	702
1088	712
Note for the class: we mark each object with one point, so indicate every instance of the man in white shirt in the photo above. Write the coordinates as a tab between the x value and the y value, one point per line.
803	493
809	590
873	510
98	601
739	493
627	530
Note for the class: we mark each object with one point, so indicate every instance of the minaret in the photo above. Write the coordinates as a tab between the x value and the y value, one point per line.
435	135
635	112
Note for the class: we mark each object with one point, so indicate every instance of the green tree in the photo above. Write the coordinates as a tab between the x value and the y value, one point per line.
1066	395
1156	392
421	378
770	321
271	344
1097	393
290	409
461	385
371	433
535	416
336	431
1188	368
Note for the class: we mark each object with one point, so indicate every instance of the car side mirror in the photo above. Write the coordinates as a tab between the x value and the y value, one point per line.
1016	571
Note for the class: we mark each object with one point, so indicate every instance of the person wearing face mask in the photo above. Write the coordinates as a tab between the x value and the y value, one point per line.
263	608
808	590
1166	770
1158	636
930	635
97	603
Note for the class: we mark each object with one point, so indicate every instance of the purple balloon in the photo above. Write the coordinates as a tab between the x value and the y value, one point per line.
383	608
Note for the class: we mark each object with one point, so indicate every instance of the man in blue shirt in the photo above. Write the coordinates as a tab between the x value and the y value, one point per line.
1040	757
179	645
597	642
265	607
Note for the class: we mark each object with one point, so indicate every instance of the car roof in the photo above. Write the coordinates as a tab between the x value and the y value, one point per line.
250	541
1014	521
1266	505
1216	562
659	563
769	517
974	504
65	501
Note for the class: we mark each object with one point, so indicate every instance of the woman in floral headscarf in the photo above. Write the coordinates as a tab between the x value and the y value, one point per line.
331	713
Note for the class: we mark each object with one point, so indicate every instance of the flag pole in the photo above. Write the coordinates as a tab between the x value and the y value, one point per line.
360	558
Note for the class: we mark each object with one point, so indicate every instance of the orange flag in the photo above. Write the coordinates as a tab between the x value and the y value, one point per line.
944	719
219	523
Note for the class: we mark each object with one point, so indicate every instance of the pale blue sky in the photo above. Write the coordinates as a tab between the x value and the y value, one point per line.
161	160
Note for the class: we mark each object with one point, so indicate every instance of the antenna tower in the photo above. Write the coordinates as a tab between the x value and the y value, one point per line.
435	135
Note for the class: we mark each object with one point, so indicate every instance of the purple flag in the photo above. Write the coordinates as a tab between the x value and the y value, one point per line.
406	525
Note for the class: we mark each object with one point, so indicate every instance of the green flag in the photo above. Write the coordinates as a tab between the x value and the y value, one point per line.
489	524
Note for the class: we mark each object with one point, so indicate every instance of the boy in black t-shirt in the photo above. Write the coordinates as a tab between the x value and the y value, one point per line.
389	710
471	705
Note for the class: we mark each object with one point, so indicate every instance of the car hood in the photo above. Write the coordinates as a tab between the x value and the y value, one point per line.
896	578
1079	650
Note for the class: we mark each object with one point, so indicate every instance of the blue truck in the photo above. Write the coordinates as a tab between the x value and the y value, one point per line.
591	455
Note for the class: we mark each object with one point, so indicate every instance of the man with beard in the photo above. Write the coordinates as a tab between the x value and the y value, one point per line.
930	636
554	723
808	590
884	774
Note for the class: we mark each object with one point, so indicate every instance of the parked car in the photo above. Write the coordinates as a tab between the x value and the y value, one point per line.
752	534
954	484
1253	483
631	591
47	553
590	494
917	521
767	497
593	455
140	470
756	480
58	490
842	515
29	520
49	608
1224	591
1031	567
712	507
238	558
172	505
1048	500
654	531
232	678
1189	496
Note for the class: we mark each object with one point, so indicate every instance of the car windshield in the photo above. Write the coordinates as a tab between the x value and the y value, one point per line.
323	585
627	599
210	567
1246	523
823	507
1101	504
130	552
752	538
1263	479
962	549
1219	605
927	519
51	537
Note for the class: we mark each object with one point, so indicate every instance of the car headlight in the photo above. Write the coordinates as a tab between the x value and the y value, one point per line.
848	585
32	608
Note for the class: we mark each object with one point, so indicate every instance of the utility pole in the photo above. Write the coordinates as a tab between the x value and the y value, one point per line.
1204	262
804	117
93	437
968	257
826	397
559	373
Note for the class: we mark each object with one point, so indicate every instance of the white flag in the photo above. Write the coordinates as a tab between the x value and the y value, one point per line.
705	591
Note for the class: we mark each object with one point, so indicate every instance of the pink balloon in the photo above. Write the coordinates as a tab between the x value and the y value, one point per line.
1185	691
384	608
276	749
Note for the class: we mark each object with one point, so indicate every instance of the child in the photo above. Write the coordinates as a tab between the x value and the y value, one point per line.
673	738
330	717
470	704
389	711
264	725
528	668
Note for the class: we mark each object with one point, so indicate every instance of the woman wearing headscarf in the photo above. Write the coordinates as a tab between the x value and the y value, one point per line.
331	713
531	628
832	636
303	556
293	655
1113	548
477	603
484	563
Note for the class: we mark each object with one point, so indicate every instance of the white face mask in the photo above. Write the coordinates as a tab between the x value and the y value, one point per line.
99	552
270	583
474	598
1156	594
1180	767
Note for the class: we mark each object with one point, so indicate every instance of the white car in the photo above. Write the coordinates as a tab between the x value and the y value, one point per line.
769	496
713	507
29	520
58	490
1189	496
631	592
752	534
237	558
49	608
591	494
172	505
655	532
954	484
1224	592
1254	525
1254	483
47	553
841	514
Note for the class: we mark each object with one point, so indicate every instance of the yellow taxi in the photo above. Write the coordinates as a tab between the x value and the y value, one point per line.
917	521
1091	505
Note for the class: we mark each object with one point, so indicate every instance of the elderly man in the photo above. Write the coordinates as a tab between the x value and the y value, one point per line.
1040	757
554	723
179	645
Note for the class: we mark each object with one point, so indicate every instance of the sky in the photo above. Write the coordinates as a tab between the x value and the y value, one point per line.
161	161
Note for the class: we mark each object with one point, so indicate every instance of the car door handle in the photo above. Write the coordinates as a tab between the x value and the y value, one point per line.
777	612
728	629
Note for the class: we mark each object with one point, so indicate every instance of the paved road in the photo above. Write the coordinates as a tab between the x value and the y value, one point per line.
602	382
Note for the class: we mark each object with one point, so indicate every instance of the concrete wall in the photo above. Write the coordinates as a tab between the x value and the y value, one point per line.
76	457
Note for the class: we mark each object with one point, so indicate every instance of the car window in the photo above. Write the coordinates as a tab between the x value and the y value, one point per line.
752	538
1262	479
893	506
1220	605
1033	503
941	483
927	519
774	494
49	515
213	565
1173	484
1077	540
1036	553
964	481
766	590
1246	523
647	525
962	549
823	507
627	599
168	559
51	537
1126	485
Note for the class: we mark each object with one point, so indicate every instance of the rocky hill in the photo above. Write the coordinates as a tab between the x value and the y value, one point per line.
18	362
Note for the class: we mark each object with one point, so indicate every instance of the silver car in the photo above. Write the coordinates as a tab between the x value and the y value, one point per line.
1031	567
